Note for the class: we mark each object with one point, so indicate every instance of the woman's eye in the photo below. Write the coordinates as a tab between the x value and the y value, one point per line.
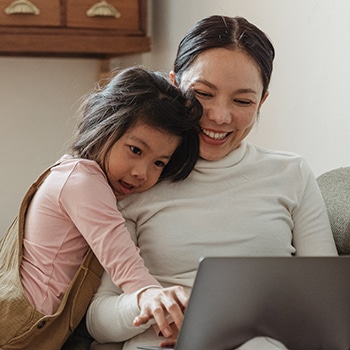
202	94
159	163
243	102
135	150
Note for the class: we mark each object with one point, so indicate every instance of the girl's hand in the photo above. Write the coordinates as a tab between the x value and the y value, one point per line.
157	303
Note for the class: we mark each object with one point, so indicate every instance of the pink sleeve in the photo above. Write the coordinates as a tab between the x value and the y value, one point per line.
90	203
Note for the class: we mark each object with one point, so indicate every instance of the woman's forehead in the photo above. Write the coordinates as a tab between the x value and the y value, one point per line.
221	66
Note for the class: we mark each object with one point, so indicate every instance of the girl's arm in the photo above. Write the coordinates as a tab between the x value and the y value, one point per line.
90	204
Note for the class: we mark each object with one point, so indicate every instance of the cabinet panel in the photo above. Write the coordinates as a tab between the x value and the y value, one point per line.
42	13
84	28
118	15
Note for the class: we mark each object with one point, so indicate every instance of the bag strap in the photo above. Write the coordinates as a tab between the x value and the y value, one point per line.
25	204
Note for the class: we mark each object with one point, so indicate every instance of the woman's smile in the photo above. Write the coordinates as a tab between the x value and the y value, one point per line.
215	135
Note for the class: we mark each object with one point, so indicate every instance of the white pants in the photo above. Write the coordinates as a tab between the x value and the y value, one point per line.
262	343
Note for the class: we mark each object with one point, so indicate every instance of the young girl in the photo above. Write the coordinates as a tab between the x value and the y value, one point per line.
137	130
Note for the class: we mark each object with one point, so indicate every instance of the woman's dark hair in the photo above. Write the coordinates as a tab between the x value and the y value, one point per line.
139	95
226	32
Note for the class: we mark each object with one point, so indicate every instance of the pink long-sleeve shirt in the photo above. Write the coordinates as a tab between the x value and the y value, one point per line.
73	209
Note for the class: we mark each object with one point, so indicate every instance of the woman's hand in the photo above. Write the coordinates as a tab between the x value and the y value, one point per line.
157	303
170	342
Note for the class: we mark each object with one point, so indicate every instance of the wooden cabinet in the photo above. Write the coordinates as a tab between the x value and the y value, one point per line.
87	28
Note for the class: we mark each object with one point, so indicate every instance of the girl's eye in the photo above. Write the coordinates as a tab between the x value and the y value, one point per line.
135	150
159	163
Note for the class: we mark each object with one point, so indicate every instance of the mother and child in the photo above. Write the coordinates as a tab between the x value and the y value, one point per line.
240	199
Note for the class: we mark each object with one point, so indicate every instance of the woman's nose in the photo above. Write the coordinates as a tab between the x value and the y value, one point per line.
220	114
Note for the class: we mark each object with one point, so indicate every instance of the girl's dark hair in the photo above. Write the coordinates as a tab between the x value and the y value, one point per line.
139	95
226	32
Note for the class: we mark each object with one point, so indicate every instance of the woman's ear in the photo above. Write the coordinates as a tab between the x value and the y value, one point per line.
172	78
264	99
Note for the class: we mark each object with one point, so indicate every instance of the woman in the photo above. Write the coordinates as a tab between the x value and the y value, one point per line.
239	200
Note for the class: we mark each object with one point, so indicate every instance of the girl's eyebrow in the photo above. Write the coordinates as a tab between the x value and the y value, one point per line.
135	138
146	145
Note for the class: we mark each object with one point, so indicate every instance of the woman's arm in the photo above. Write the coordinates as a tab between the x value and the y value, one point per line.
115	317
312	234
111	314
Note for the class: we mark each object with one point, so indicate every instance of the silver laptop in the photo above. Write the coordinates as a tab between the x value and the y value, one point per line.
304	302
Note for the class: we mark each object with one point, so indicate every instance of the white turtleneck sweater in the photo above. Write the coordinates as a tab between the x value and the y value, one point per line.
253	202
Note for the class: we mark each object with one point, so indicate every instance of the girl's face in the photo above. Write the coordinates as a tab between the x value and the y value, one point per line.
138	158
229	86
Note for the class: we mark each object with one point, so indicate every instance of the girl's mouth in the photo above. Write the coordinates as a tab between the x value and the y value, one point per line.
126	188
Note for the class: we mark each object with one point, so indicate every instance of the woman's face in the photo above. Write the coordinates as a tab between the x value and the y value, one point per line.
229	86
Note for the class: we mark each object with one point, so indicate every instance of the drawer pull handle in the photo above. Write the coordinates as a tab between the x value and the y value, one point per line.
103	8
22	7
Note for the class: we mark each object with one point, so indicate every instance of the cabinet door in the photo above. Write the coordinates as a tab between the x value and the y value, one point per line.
121	15
30	13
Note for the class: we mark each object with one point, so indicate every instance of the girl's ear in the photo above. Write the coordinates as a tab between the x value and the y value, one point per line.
172	78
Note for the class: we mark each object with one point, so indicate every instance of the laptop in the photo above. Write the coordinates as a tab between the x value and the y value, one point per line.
304	302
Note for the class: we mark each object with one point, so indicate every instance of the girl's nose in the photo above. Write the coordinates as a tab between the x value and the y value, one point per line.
140	172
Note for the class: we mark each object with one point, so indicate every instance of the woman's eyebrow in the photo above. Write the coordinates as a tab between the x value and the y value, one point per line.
244	91
206	82
212	86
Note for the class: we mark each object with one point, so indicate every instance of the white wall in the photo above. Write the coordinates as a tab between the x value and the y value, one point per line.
38	97
307	111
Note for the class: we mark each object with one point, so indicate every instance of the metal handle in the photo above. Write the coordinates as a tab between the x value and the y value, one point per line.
104	9
22	7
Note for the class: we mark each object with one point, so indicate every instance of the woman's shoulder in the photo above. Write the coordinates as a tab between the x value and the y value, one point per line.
274	156
280	160
273	153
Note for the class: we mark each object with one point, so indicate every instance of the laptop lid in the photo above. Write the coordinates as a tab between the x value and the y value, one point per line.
304	302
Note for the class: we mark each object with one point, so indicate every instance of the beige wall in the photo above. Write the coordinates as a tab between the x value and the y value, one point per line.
38	98
307	111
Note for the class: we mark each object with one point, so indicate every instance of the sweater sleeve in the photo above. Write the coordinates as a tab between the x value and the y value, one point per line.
90	203
312	234
110	316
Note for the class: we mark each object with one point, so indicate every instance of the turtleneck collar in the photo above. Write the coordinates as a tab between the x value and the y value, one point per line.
233	158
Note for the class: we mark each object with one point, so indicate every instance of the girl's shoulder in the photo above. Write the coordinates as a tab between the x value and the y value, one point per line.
69	161
68	166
